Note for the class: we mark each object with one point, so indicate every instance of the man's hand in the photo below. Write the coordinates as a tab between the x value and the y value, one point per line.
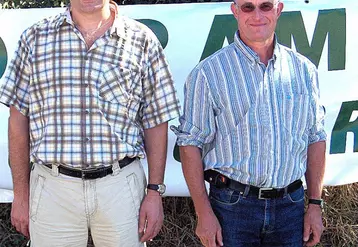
150	216
209	230
313	226
20	214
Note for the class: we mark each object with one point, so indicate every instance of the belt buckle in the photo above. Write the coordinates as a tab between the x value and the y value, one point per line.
262	190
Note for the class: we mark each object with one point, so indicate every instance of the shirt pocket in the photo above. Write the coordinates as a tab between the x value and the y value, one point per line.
234	113
114	83
294	113
121	88
294	110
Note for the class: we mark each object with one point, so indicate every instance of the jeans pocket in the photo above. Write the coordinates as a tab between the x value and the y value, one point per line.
134	188
296	196
35	197
224	196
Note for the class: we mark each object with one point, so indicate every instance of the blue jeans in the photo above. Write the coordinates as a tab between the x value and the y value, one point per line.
247	221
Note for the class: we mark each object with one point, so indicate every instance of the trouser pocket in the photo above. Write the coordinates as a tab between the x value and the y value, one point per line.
36	188
134	189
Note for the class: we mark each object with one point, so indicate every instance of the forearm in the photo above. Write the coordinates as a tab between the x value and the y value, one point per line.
316	163
19	151
192	165
156	140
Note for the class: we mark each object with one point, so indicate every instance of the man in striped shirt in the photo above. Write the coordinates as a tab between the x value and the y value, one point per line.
253	120
90	92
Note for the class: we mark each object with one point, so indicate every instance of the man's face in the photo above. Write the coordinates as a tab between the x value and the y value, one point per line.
88	6
256	19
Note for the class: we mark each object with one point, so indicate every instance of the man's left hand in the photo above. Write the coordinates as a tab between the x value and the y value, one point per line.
150	216
313	226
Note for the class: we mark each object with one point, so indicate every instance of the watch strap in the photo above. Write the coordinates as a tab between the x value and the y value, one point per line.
160	188
153	187
318	202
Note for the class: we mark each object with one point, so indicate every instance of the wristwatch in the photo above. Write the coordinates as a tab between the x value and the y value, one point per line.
318	202
160	188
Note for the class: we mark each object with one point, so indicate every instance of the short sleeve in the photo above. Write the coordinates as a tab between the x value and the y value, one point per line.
160	100
15	89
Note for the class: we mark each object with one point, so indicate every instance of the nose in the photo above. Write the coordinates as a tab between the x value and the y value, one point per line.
257	13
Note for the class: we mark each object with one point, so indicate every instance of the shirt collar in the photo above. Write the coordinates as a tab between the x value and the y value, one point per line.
65	16
251	54
118	26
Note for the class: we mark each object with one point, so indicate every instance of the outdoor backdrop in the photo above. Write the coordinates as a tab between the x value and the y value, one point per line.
341	216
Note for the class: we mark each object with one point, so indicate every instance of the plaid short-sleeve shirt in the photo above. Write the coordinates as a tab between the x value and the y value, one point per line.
88	107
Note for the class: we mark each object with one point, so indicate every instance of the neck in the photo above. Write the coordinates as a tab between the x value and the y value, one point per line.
91	20
264	49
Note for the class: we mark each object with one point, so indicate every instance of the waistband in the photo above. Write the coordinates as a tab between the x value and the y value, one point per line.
220	181
91	173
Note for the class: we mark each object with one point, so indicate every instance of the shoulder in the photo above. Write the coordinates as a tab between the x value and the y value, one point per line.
215	59
296	58
137	29
43	27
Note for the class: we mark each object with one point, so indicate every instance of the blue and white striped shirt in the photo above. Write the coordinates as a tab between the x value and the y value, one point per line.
252	122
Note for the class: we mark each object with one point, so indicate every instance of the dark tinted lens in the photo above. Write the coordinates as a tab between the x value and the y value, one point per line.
267	6
247	7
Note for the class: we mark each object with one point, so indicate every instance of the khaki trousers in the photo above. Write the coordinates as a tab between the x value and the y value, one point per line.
63	208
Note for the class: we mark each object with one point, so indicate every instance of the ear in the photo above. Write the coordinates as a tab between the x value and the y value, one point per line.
279	9
235	10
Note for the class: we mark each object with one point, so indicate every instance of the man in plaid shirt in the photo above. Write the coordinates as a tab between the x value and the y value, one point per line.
90	92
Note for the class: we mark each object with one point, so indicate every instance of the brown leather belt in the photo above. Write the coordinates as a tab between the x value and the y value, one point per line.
91	173
220	181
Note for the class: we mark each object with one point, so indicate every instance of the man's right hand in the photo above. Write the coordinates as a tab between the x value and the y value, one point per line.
209	230
20	214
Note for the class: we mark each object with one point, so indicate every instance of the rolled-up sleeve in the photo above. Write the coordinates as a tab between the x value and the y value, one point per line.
316	132
15	89
197	124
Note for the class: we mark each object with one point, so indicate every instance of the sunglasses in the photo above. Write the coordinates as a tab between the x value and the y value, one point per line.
250	7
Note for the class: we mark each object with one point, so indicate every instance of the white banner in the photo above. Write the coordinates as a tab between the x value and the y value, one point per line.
322	30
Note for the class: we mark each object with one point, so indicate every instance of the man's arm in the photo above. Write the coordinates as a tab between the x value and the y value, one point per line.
151	211
316	162
20	169
208	228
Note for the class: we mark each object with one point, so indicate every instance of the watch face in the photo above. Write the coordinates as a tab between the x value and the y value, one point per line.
161	188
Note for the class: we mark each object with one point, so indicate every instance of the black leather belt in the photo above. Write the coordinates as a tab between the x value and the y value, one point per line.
91	173
220	181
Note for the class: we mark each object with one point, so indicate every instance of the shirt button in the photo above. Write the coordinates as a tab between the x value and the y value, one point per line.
87	139
87	111
121	70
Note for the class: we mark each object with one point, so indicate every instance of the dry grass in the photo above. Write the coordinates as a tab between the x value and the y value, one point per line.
341	216
8	236
340	219
179	224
